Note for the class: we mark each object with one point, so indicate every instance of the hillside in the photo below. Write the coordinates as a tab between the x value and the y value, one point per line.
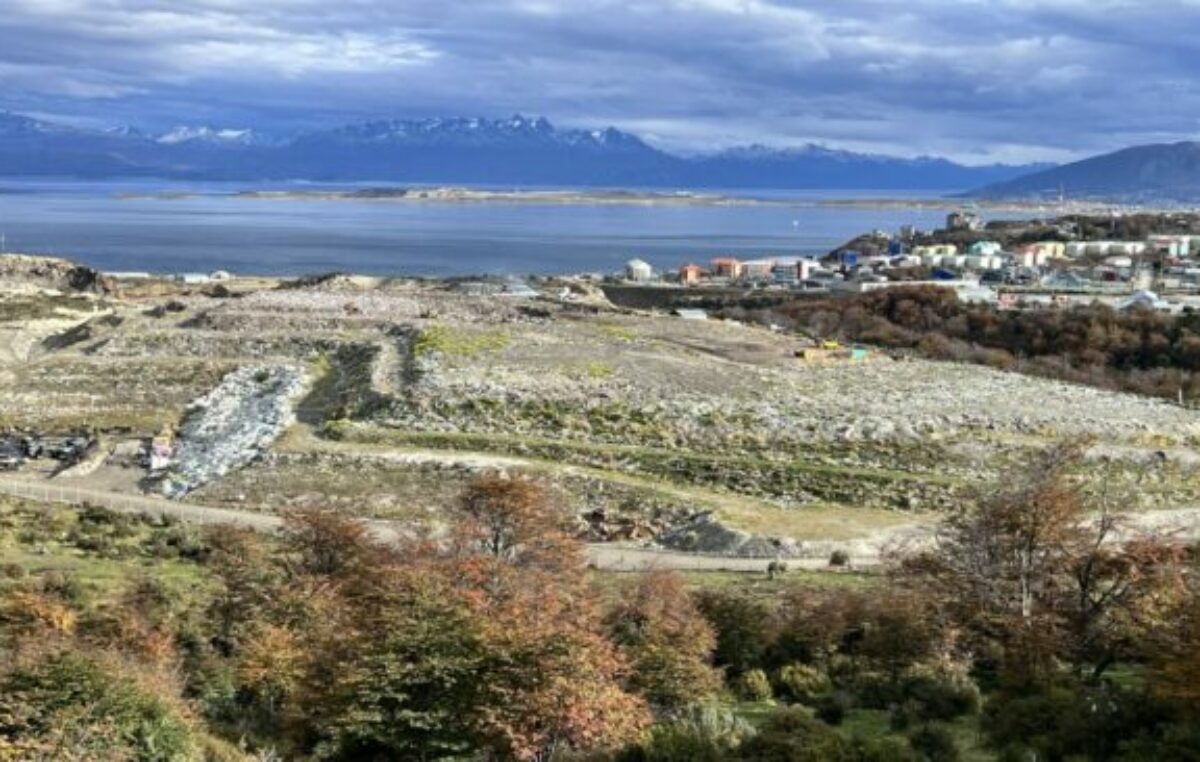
1163	172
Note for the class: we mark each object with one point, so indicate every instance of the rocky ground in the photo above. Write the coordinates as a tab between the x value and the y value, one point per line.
700	436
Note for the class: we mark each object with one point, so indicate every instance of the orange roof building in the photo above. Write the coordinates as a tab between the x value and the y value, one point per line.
690	274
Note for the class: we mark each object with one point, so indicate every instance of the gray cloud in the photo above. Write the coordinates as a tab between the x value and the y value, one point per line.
975	79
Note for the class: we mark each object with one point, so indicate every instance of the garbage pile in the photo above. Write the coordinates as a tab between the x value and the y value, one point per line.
232	425
15	449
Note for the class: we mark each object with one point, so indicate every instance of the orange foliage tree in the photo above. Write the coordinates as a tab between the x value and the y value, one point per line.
668	642
1043	571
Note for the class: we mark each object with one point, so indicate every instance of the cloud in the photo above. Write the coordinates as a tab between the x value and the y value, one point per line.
978	80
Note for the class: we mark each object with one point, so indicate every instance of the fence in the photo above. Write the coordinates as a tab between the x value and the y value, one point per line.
49	492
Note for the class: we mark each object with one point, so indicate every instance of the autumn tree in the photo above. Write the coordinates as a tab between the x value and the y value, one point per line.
512	521
328	544
485	638
1038	567
557	679
405	678
668	642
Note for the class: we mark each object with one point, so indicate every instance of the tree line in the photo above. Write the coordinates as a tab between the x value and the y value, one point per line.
1138	350
1036	616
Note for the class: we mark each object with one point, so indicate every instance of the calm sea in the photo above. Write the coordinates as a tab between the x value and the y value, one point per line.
97	224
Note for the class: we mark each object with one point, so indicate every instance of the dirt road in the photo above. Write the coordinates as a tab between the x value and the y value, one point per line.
607	557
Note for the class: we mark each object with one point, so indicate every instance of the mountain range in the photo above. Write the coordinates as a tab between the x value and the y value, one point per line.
515	151
1143	174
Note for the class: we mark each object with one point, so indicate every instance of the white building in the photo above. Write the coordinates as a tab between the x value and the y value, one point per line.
758	269
1104	248
1171	245
638	271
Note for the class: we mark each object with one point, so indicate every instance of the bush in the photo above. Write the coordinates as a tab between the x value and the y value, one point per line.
802	684
64	586
72	703
883	750
904	715
839	558
675	743
935	743
1073	720
754	686
941	696
12	571
875	690
792	736
832	708
743	627
704	732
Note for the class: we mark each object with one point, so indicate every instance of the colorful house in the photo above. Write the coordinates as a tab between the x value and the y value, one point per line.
727	267
691	274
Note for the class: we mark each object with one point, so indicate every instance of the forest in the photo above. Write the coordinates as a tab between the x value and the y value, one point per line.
1139	350
1035	627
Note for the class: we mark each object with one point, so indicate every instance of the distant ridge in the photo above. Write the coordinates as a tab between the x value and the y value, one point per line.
1161	172
515	151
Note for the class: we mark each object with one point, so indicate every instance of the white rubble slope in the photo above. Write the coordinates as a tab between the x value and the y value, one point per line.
233	424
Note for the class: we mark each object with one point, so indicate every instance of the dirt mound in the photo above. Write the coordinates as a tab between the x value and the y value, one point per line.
20	272
91	330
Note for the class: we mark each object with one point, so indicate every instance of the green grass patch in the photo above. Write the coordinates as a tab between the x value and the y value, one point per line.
874	723
616	331
456	342
758	475
102	552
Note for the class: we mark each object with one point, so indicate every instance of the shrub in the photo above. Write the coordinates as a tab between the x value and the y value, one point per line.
941	696
12	571
743	626
904	715
839	558
703	732
86	710
883	750
875	690
64	586
935	743
675	743
802	684
832	707
792	736
754	686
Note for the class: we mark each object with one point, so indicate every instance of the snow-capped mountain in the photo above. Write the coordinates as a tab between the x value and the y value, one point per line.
210	135
514	131
518	150
126	131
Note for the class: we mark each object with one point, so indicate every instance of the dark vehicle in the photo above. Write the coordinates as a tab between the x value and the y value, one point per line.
67	448
12	454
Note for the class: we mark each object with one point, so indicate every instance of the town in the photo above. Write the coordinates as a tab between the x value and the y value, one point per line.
1010	264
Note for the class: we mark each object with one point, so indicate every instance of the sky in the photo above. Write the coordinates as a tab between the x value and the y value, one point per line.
975	80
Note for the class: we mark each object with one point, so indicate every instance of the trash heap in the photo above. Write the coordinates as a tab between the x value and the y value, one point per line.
233	424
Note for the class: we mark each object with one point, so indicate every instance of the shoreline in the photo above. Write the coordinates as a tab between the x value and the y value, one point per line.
686	198
457	195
